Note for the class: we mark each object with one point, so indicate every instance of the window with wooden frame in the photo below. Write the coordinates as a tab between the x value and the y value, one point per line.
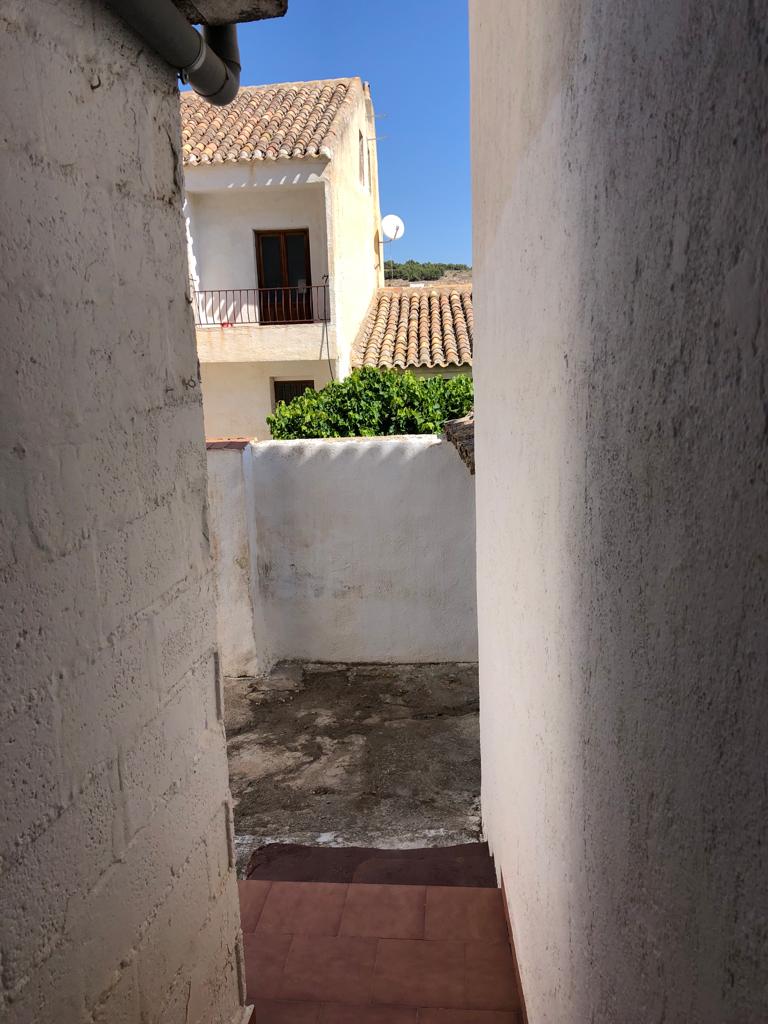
285	277
287	390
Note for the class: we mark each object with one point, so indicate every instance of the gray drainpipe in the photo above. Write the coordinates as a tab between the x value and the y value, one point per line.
210	63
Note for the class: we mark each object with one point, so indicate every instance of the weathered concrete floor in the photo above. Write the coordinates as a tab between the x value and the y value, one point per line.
355	755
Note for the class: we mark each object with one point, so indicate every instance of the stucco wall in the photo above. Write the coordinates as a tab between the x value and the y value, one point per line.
222	224
620	309
230	550
117	896
354	221
237	397
362	549
265	343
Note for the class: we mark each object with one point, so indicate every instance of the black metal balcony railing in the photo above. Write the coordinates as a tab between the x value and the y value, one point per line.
226	307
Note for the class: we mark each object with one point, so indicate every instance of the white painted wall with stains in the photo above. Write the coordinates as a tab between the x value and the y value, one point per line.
239	651
362	549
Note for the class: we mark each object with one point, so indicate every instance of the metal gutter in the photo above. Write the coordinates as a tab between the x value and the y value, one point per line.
210	62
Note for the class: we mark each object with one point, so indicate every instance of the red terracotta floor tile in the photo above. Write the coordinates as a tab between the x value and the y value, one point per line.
490	977
252	897
419	973
466	915
336	1014
265	954
333	970
272	1011
384	911
432	1016
303	908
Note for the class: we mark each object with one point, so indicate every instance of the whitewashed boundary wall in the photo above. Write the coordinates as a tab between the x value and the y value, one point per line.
361	549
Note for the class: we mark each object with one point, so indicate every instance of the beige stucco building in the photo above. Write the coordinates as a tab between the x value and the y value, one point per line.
282	209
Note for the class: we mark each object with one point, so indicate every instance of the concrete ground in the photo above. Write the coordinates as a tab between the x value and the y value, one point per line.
355	755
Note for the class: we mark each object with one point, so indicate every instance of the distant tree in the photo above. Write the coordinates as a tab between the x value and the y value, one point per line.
372	403
412	270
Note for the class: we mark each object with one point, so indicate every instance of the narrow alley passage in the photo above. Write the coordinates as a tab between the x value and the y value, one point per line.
392	914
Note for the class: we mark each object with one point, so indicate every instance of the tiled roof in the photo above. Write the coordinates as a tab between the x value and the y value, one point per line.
264	122
417	327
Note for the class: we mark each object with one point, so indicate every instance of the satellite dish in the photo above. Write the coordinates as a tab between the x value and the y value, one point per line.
392	227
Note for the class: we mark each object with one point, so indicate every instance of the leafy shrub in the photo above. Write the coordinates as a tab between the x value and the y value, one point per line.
412	270
372	403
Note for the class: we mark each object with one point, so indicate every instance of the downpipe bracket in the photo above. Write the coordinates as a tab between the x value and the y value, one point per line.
209	62
184	73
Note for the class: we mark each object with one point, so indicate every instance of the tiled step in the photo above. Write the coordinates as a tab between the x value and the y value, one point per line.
332	953
469	864
278	1012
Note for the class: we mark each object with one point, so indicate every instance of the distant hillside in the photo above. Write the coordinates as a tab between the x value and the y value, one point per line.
413	271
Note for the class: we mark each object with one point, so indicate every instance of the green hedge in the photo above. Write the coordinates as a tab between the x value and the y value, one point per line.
412	270
372	403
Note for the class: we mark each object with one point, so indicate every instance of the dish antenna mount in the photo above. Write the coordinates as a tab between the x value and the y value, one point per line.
392	228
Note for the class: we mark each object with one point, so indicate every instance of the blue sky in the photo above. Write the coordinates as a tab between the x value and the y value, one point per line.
415	56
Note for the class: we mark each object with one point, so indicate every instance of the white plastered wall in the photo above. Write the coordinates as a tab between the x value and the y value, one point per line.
238	396
620	299
117	891
354	221
223	224
230	549
363	549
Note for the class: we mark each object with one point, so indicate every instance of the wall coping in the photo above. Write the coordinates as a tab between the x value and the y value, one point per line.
230	444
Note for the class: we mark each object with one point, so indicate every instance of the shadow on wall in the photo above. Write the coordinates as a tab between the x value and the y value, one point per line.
668	571
624	528
671	584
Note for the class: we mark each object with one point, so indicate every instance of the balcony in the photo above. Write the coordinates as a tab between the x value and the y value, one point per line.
266	325
230	307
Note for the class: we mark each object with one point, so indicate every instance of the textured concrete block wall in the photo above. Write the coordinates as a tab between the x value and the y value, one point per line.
117	897
620	214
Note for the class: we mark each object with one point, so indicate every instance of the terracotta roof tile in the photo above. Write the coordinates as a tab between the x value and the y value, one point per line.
417	327
291	120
